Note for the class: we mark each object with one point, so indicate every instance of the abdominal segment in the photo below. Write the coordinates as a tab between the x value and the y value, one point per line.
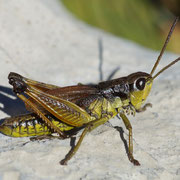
30	125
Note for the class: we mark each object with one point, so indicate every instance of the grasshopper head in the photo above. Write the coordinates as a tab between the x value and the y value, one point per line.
140	84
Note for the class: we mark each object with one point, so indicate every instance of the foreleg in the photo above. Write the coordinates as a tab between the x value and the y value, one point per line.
144	108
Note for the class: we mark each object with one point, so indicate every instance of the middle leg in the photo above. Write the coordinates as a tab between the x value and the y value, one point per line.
130	150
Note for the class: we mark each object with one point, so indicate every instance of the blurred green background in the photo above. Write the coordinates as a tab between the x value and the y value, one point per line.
146	22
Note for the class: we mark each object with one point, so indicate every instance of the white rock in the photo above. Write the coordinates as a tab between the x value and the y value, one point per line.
41	40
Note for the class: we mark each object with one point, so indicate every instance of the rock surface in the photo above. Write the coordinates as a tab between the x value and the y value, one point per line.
42	41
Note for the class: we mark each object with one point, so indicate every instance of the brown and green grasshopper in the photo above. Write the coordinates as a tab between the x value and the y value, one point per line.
67	110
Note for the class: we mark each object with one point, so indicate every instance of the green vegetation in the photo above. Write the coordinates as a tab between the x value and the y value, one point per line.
139	20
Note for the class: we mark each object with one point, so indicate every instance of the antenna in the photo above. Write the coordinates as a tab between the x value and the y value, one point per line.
165	45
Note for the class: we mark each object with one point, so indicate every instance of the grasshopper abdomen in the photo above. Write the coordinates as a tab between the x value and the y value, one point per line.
29	125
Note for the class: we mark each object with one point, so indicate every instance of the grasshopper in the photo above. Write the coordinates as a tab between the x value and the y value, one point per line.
67	110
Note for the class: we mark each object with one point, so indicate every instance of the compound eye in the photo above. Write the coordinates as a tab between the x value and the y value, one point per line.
140	83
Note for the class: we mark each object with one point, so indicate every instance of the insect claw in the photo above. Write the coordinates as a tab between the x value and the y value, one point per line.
134	161
63	162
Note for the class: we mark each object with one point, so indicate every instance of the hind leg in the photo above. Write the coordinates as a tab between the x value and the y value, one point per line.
19	87
39	138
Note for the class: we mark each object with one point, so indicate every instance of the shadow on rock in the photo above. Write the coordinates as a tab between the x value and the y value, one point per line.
121	133
10	104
